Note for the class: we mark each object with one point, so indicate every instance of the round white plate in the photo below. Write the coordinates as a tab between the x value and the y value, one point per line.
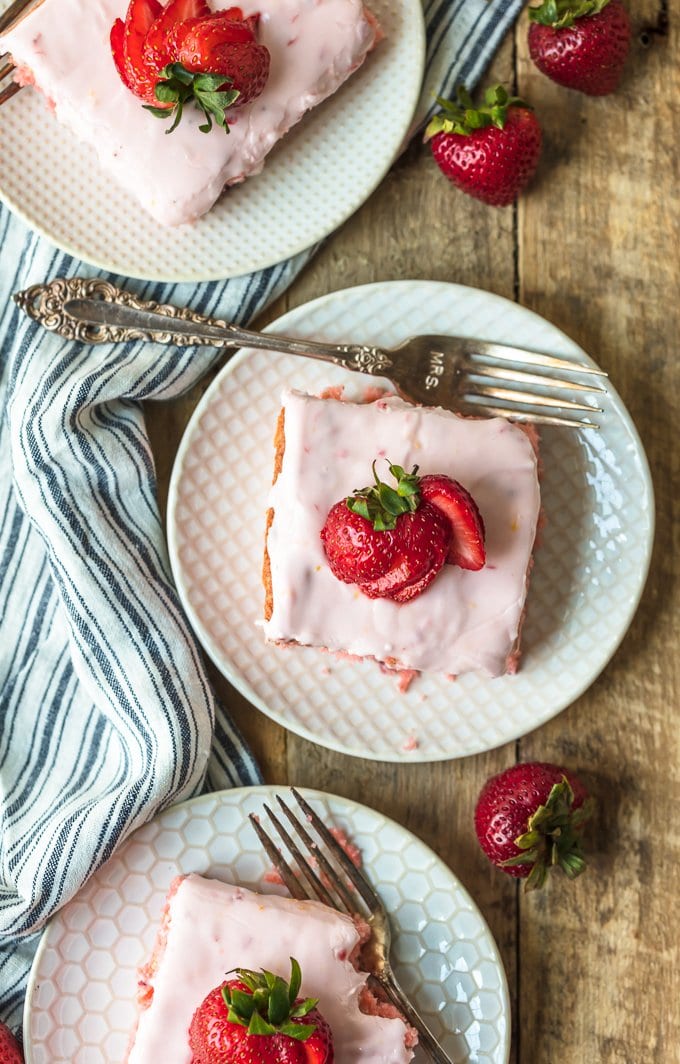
589	570
318	176
81	1008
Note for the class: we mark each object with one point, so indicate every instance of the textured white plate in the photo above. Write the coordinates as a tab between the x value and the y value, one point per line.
588	575
319	174
80	1007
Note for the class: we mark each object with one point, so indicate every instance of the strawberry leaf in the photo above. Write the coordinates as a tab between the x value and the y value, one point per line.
178	86
301	1031
382	504
258	1025
304	1007
269	1003
553	837
560	14
243	1003
462	117
295	981
279	1005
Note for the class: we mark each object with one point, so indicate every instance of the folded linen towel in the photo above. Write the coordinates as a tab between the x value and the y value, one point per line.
106	714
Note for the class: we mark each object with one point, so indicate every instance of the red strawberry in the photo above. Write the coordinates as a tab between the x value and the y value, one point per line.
530	818
219	45
140	76
185	53
117	39
582	44
9	1047
490	152
157	51
388	542
467	542
419	545
230	1027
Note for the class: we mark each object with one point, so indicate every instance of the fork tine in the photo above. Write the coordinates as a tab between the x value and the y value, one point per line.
7	93
503	373
530	416
12	13
348	901
351	871
530	398
315	885
505	353
275	856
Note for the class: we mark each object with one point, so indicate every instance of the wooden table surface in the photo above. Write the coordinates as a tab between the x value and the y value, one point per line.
594	246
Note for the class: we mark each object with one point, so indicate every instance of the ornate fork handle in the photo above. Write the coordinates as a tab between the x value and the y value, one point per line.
95	311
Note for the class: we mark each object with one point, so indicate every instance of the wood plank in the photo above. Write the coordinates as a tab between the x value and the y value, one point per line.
599	238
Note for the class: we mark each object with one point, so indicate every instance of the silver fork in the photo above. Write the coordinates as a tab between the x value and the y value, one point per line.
457	373
349	893
7	66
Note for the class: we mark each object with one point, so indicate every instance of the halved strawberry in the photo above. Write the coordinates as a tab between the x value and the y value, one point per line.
157	50
141	76
467	542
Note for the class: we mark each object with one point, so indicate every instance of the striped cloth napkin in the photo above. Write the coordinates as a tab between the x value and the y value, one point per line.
106	713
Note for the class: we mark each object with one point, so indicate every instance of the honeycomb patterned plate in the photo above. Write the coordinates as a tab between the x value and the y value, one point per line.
318	175
588	575
81	1004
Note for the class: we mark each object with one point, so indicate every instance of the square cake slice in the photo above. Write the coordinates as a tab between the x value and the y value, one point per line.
465	620
62	47
209	928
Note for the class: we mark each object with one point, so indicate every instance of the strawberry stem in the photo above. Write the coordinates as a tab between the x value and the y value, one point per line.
179	86
553	837
462	117
560	14
269	1004
382	505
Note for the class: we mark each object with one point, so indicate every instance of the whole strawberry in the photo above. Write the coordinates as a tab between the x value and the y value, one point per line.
258	1018
529	819
492	151
9	1047
581	44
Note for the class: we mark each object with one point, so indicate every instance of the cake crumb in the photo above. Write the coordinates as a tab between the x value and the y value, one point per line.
410	743
406	678
325	671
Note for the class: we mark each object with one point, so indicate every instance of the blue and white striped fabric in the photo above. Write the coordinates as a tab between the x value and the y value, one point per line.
106	713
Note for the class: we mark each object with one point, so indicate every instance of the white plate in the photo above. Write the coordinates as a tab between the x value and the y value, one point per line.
318	176
81	998
588	575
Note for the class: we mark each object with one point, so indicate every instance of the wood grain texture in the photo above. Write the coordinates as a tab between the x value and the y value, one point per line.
594	247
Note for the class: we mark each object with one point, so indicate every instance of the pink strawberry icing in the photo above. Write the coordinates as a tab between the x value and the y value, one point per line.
465	620
211	927
63	47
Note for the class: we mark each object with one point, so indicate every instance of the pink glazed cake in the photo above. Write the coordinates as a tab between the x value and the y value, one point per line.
464	621
209	928
62	46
